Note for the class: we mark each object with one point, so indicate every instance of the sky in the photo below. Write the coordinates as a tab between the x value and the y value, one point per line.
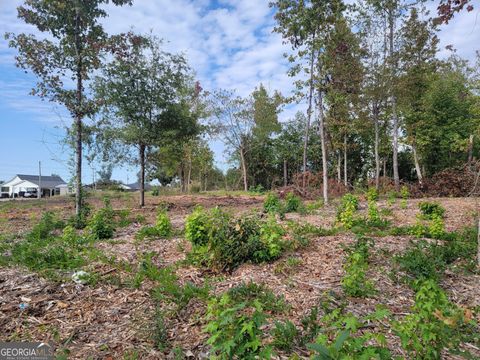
229	44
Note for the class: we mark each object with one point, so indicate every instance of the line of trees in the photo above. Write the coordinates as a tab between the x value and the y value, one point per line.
379	102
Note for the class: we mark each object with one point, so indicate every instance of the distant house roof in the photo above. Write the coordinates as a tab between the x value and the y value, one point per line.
47	181
136	186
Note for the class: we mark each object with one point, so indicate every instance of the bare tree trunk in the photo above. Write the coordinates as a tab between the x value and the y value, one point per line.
142	174
377	143
345	166
470	149
309	117
244	169
189	173
78	119
417	164
385	168
339	167
478	243
285	173
396	177
324	147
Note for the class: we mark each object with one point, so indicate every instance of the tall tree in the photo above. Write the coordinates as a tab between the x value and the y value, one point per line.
417	63
71	51
147	96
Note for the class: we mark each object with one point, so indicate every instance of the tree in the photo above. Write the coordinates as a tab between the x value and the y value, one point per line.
147	96
105	173
233	119
417	64
72	51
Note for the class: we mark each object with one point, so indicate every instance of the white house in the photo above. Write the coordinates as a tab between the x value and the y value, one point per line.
28	185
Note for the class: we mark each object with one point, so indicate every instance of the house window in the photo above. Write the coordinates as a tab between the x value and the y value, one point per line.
5	189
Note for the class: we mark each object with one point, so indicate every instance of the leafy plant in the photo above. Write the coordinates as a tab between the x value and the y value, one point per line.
249	292
437	227
292	203
235	329
345	338
355	283
101	225
430	210
404	193
272	204
346	211
161	229
197	227
432	325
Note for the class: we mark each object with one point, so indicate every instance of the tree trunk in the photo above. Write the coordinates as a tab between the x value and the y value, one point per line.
142	174
417	164
78	119
285	173
396	177
345	178
244	168
189	174
377	141
470	149
324	147
478	243
339	167
309	117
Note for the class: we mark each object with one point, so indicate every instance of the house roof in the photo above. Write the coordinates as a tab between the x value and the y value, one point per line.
136	186
47	181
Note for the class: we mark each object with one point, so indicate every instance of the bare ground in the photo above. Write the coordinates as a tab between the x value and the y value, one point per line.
108	320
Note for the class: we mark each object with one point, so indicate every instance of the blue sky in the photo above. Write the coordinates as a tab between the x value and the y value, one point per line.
229	43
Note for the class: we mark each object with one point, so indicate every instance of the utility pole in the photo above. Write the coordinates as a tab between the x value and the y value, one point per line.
39	192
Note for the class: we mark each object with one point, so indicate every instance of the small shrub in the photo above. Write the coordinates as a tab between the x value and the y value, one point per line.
272	203
437	227
420	261
236	329
292	203
355	283
430	210
285	335
249	292
163	224
43	230
372	194
156	191
271	235
346	211
101	225
344	338
259	189
432	325
197	227
404	193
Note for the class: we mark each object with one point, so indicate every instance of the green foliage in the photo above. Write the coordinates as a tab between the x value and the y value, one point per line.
272	204
160	334
344	338
292	203
346	211
233	241
430	210
101	225
43	251
432	325
250	292
285	335
163	224
235	329
436	228
421	260
197	227
156	191
161	229
257	190
404	193
355	282
372	194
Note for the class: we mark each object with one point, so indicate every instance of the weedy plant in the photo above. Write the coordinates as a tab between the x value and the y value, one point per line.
346	211
404	193
433	324
197	227
429	210
161	229
272	204
355	282
292	203
101	225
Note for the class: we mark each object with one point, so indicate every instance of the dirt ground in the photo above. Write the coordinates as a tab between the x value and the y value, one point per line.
110	321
